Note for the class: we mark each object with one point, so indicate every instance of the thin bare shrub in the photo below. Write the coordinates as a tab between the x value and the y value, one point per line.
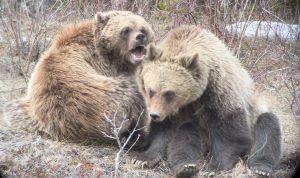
25	31
122	143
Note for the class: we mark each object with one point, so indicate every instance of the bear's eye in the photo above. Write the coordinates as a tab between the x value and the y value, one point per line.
151	93
143	31
125	32
169	95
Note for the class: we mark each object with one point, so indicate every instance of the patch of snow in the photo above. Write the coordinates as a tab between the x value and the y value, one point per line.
1	39
266	29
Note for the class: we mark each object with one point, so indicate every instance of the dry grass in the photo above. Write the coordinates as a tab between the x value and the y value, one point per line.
28	29
29	155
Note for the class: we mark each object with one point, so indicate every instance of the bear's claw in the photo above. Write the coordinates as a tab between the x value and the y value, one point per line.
187	170
139	163
261	171
146	164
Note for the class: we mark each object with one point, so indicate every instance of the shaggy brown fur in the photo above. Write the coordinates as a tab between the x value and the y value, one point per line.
85	78
193	76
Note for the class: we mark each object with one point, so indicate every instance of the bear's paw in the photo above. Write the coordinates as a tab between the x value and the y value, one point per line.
187	170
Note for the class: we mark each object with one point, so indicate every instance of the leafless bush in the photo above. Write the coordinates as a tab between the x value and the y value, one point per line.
23	34
273	62
122	143
25	30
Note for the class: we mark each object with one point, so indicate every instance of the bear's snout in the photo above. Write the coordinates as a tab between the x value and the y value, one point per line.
141	39
154	116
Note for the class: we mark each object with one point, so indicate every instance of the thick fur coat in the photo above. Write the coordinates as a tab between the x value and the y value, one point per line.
85	79
192	76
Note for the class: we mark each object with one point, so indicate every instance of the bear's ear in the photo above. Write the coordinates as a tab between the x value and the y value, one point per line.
102	17
189	61
153	52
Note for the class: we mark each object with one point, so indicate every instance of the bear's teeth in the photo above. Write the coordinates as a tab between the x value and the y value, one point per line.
137	57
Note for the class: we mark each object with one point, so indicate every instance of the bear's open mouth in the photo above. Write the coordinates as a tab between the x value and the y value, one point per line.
138	53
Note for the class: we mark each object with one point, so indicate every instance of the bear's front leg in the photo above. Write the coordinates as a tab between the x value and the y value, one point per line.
230	138
159	138
266	152
185	150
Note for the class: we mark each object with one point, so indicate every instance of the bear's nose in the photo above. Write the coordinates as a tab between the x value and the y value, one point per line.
140	36
154	116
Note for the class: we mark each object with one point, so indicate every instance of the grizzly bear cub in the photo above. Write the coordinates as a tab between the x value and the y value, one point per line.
191	83
86	78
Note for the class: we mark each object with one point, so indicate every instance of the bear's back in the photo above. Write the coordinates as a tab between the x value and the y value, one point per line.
192	39
227	73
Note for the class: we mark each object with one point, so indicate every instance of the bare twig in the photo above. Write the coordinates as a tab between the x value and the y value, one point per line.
116	132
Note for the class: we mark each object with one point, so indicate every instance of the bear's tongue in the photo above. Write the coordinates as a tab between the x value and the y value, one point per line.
138	53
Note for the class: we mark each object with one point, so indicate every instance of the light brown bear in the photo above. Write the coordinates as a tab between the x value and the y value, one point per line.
85	78
194	83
